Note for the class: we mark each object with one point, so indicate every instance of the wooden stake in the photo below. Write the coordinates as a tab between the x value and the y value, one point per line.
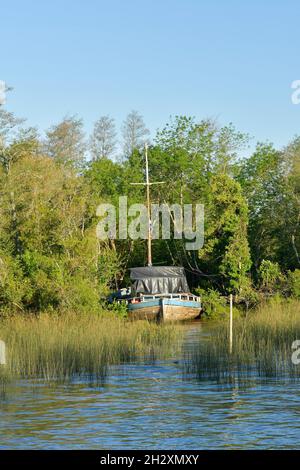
2	353
230	324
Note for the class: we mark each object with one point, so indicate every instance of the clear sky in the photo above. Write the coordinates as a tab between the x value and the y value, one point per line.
231	60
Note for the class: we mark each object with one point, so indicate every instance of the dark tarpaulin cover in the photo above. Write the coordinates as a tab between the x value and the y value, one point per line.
159	280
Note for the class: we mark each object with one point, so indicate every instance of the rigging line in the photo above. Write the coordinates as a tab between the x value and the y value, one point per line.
193	270
200	273
184	251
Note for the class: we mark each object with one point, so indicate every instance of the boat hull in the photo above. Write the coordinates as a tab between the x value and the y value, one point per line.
176	310
165	310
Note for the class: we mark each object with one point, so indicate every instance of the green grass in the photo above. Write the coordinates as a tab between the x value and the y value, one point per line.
52	348
262	347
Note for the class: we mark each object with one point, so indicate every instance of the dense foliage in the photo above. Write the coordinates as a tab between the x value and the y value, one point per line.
50	188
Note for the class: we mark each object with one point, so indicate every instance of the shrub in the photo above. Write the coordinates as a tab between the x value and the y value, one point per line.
293	280
214	305
270	276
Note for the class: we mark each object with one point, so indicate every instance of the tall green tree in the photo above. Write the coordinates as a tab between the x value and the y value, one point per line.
226	253
269	181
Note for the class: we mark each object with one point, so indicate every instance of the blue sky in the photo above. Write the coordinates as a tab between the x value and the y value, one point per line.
223	59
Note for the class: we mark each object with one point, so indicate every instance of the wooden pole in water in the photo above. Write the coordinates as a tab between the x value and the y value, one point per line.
230	324
2	353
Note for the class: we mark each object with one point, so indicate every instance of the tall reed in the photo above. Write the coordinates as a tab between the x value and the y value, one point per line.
54	347
262	346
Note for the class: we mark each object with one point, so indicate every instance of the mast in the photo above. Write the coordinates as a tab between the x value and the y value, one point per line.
148	184
149	241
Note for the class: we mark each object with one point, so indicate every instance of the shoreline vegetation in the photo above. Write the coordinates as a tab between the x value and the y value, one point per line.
61	348
52	261
262	347
51	186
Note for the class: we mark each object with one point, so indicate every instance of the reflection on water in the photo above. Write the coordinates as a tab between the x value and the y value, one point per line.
151	406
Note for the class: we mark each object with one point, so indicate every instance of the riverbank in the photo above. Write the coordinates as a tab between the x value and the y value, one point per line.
263	346
61	347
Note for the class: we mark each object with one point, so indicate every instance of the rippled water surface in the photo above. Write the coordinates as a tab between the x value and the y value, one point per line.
152	406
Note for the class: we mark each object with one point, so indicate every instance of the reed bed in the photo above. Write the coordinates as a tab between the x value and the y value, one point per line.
61	348
262	347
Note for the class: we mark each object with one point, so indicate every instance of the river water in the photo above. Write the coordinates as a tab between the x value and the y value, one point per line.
152	406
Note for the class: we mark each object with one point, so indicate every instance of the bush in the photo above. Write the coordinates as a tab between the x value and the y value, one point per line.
293	279
270	276
118	308
12	284
213	304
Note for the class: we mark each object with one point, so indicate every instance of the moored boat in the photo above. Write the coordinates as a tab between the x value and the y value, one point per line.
158	292
172	307
162	293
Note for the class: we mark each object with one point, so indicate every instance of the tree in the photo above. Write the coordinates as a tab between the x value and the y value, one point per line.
192	152
49	253
65	142
291	168
15	140
226	252
268	182
9	127
187	155
104	177
134	133
261	178
103	139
